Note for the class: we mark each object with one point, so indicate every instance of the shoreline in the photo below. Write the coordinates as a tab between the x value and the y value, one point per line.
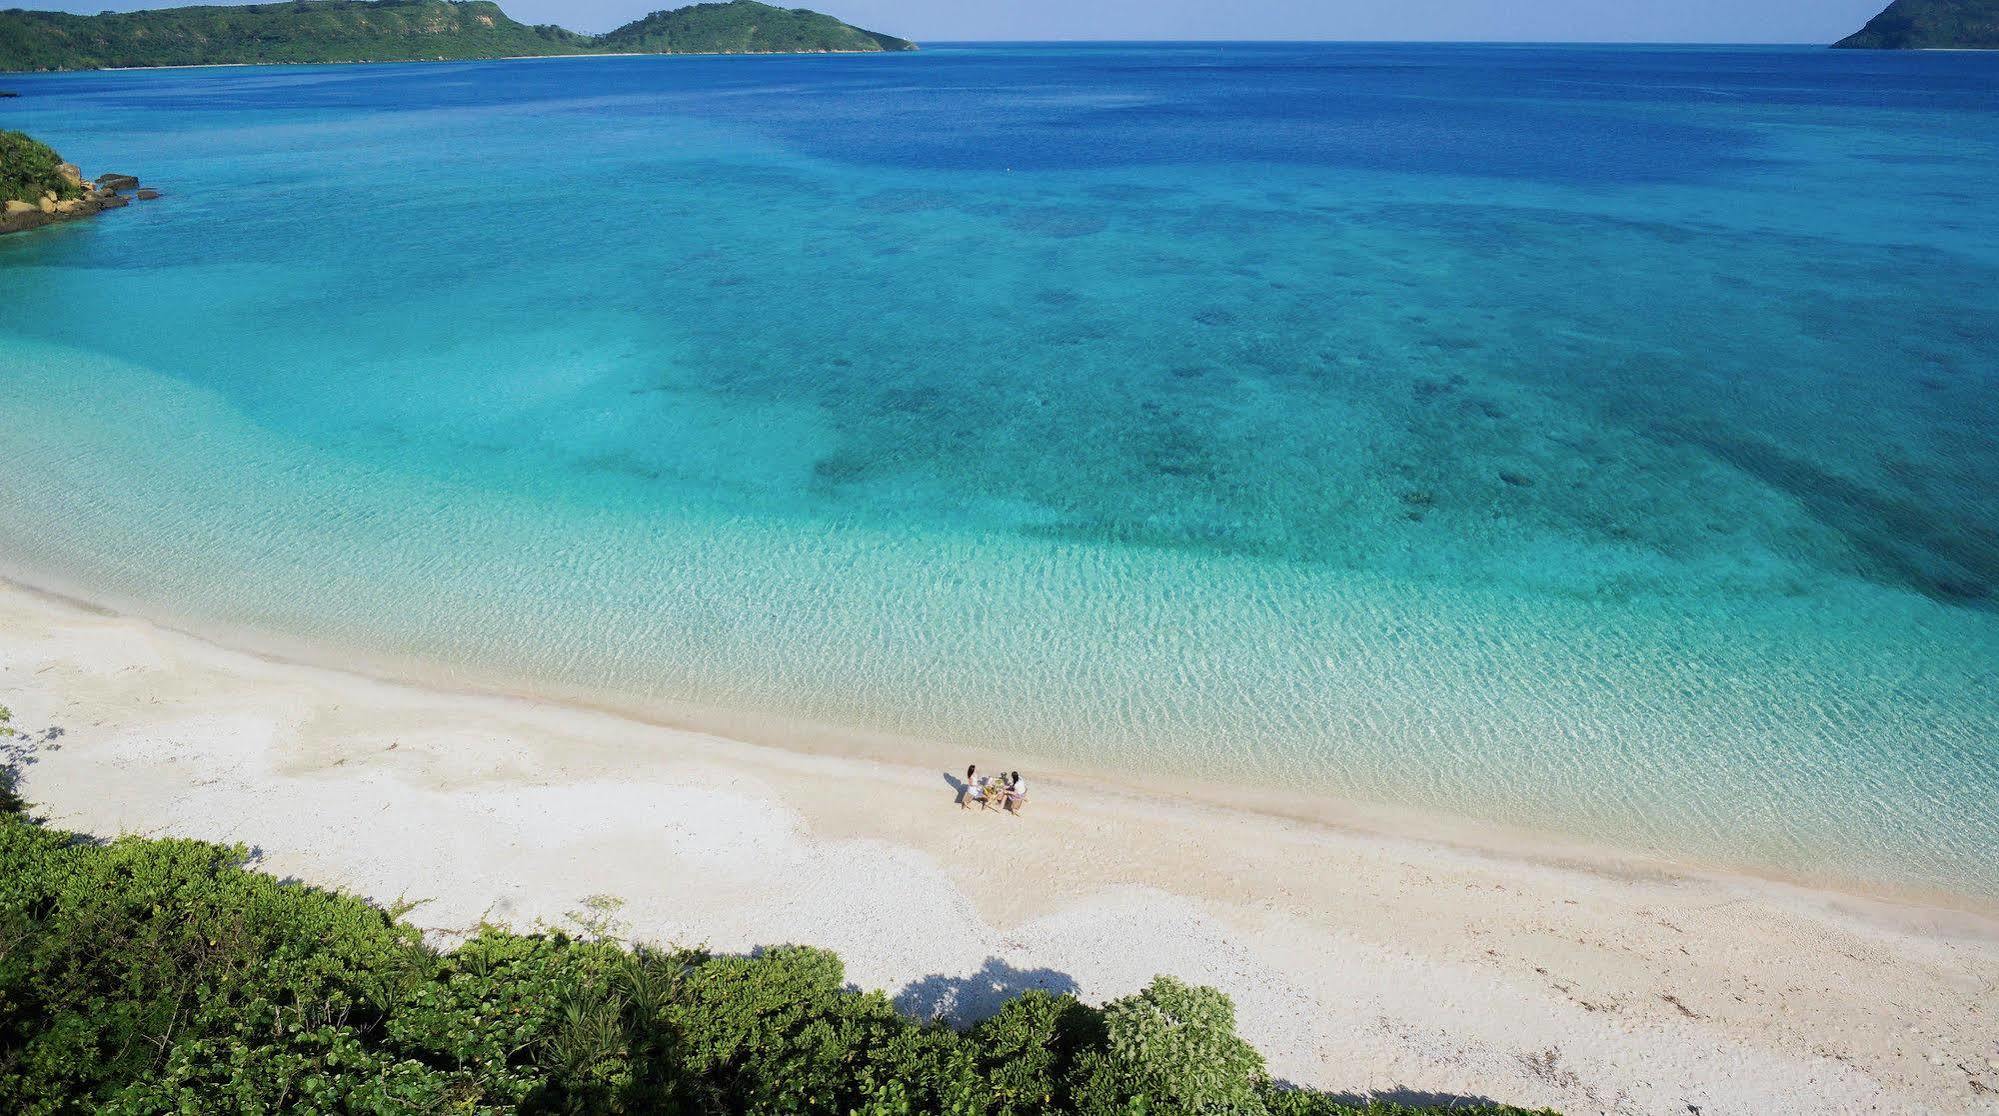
497	58
93	197
1465	834
1358	959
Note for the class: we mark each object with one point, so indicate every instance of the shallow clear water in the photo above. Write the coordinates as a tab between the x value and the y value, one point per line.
1599	440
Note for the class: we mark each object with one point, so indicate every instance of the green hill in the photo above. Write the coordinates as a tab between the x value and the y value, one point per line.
1930	25
743	27
397	31
310	31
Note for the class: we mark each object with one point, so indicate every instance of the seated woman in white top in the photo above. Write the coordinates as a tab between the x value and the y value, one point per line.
1016	792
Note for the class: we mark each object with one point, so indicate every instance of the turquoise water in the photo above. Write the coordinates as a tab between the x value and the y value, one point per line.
1597	440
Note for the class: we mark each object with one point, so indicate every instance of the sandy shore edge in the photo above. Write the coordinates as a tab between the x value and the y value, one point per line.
1892	902
1359	959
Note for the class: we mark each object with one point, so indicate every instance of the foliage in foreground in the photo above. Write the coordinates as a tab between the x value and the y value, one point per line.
28	169
10	799
145	976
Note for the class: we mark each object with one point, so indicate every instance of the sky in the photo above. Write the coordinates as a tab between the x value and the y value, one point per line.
1723	21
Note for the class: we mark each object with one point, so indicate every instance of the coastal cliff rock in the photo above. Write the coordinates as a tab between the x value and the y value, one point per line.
1930	25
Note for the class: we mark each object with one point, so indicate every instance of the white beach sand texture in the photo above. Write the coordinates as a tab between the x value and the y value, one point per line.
1357	960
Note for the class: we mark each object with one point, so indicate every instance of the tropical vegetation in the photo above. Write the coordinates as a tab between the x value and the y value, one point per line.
166	976
743	27
29	170
397	31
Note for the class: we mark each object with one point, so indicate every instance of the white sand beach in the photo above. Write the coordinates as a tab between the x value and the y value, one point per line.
1359	960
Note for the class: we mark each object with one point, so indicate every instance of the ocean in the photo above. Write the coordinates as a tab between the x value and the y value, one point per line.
1602	441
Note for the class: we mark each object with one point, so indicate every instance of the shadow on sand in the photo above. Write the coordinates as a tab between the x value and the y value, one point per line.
1413	1098
968	999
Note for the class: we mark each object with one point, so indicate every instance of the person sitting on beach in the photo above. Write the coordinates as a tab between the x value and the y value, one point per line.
1016	792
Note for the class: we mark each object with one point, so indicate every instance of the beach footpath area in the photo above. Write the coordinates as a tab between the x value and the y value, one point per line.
1358	960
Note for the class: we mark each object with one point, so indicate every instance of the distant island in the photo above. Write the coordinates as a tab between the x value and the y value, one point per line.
1930	25
309	31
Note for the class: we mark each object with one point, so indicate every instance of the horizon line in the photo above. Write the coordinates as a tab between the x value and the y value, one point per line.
1372	42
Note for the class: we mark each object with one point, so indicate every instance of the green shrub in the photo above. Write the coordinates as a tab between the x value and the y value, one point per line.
28	170
144	976
1171	1048
1028	1049
491	1012
10	800
162	973
779	1032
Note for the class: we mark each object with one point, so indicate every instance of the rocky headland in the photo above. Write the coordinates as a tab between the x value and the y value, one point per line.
1930	25
37	188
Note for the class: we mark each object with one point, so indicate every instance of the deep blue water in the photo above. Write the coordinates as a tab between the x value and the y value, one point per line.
1597	439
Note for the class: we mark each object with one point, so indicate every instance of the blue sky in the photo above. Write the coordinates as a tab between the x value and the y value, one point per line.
1738	21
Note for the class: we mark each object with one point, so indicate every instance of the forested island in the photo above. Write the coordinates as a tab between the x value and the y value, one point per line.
1930	25
310	31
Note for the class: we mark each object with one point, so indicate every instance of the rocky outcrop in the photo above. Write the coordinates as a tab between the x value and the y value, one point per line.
108	192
